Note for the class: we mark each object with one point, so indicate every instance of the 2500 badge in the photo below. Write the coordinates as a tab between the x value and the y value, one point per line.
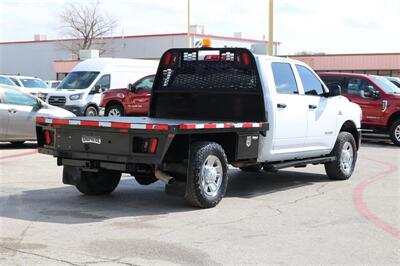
91	139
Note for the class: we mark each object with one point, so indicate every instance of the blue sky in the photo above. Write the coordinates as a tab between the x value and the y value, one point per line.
340	26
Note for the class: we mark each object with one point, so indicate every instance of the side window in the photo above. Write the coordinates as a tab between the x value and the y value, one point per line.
18	98
285	81
145	83
311	84
360	87
104	82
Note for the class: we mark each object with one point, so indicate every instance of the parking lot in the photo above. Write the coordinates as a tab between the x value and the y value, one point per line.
296	216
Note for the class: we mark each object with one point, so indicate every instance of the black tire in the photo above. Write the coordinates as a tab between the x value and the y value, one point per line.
91	111
336	170
101	183
394	132
145	179
17	142
114	110
251	168
198	192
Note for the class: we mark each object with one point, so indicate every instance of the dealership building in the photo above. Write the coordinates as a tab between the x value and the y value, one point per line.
50	59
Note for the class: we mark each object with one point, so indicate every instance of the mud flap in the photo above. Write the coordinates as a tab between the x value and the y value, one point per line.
71	175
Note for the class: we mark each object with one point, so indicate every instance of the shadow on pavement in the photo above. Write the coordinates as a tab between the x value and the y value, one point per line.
67	206
11	146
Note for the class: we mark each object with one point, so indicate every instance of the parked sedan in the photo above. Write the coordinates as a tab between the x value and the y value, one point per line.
394	80
31	85
18	111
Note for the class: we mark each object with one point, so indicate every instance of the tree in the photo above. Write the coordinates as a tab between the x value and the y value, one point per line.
86	26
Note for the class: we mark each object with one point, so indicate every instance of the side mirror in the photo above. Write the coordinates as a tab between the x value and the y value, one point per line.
38	105
131	87
334	90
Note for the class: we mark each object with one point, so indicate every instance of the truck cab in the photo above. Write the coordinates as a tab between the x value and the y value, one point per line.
210	108
378	98
131	101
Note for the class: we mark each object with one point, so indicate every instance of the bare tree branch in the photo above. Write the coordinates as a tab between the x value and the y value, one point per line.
87	25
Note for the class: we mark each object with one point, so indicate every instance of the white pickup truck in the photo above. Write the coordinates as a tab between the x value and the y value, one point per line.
211	107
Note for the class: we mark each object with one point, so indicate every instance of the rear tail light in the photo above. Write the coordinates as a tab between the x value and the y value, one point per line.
145	145
167	58
153	146
246	59
48	137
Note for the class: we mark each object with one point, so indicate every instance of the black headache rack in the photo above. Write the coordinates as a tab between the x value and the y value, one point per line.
209	84
127	144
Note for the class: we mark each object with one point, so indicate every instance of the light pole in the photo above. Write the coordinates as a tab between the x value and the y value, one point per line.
270	28
188	24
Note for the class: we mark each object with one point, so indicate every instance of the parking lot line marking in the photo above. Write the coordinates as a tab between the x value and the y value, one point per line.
362	207
27	153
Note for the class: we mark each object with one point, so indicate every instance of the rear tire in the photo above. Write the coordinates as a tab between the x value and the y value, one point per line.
345	151
251	168
101	183
394	132
115	110
91	111
207	178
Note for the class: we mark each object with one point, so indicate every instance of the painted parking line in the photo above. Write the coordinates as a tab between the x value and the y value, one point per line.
16	155
362	207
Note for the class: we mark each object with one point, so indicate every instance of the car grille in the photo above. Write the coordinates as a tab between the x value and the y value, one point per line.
57	100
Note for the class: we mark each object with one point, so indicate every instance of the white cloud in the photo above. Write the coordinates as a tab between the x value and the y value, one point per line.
341	26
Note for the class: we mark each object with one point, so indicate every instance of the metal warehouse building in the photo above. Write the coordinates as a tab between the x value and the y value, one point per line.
48	59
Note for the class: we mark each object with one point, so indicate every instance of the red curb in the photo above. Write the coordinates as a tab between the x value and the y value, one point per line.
362	207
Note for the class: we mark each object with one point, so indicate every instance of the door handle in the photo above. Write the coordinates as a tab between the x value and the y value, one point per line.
312	106
12	111
281	105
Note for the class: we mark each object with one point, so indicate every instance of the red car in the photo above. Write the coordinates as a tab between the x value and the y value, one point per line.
378	98
133	101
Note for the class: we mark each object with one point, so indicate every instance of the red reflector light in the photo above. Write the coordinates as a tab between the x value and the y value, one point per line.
211	57
40	120
167	58
246	59
47	137
153	146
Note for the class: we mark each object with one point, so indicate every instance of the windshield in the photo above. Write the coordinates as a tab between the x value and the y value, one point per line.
386	85
34	83
78	80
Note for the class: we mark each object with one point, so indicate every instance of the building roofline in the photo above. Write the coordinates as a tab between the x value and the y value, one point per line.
149	36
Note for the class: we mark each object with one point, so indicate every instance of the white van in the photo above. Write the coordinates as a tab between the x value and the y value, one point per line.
81	89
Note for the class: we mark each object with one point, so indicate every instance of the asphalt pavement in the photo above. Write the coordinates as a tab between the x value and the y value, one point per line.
295	216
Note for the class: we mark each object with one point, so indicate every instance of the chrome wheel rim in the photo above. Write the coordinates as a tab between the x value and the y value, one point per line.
397	132
114	112
346	158
211	175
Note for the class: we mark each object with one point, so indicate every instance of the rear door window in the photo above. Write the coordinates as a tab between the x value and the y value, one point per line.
285	81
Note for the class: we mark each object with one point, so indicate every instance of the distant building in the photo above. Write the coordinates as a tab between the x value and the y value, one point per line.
48	59
385	64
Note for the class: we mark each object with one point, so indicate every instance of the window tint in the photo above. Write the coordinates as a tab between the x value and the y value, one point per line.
18	98
311	84
34	83
284	78
332	80
104	82
78	80
360	87
6	81
145	83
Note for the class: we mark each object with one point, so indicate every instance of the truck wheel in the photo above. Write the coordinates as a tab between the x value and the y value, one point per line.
207	175
145	180
91	111
394	132
115	110
251	168
345	150
100	183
